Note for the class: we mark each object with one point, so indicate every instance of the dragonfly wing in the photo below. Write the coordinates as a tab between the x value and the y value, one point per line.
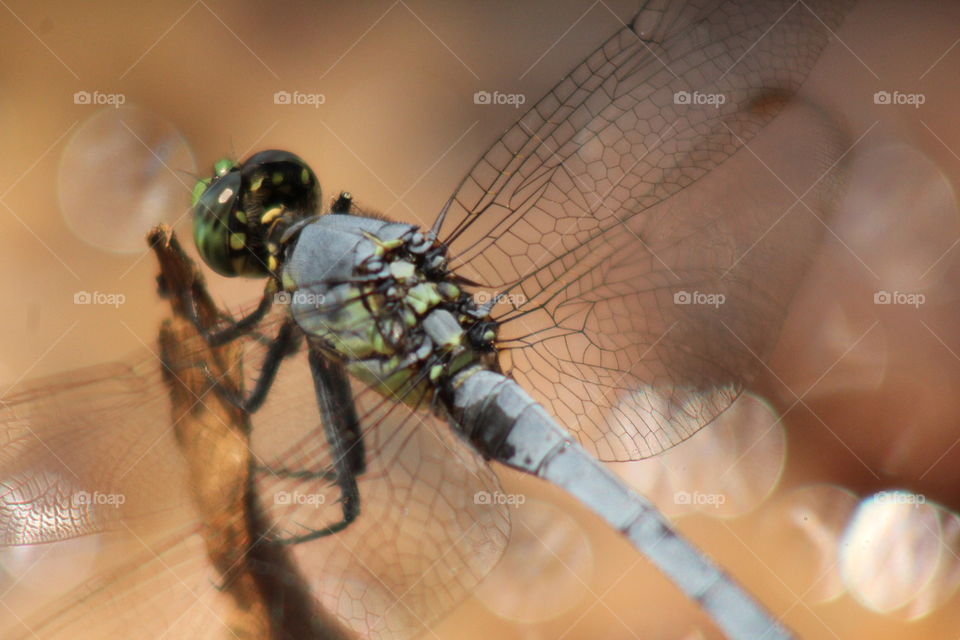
164	589
644	251
91	461
429	527
87	451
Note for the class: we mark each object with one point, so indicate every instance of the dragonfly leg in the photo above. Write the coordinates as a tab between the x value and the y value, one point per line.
342	430
346	437
234	329
281	347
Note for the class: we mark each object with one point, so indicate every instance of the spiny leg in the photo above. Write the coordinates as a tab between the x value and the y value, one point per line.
342	430
341	396
236	329
281	347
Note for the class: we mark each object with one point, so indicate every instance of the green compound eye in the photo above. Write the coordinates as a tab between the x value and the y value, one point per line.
236	210
215	222
198	190
223	166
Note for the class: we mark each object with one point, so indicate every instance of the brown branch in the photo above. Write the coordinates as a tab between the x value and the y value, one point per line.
270	598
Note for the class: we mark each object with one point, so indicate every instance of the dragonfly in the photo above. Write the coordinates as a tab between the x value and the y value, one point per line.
602	284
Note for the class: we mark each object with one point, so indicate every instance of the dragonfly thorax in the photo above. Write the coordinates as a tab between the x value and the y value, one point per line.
377	295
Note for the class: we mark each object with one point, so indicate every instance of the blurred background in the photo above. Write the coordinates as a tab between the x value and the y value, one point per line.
831	491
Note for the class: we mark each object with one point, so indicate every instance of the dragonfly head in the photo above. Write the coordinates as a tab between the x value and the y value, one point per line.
242	210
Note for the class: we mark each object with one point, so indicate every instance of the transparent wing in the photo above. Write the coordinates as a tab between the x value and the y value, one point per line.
87	451
422	542
643	247
163	589
90	456
426	534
